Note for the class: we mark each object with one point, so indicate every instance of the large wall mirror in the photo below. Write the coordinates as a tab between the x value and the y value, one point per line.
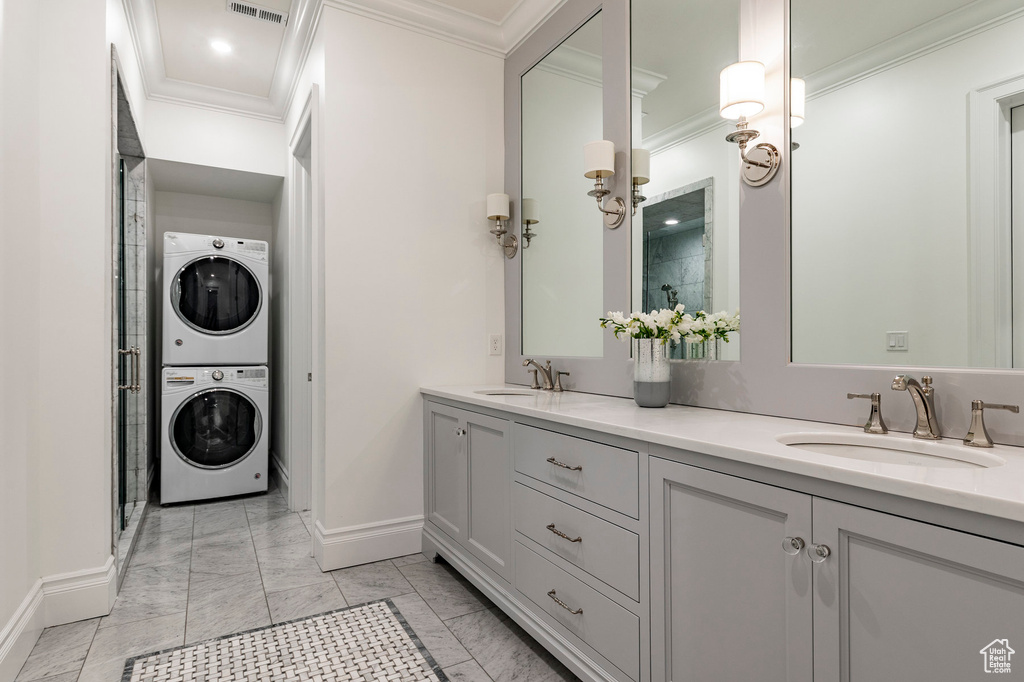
685	241
907	241
561	230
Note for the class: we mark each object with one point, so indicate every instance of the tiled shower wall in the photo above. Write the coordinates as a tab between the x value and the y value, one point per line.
135	323
681	261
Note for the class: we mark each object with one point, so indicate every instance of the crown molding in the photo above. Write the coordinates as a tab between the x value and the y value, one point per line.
934	35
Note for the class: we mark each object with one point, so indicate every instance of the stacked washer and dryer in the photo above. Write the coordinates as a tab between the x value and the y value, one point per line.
215	401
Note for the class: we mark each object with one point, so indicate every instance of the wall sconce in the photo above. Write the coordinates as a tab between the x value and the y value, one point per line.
598	164
641	175
797	106
531	216
742	95
497	210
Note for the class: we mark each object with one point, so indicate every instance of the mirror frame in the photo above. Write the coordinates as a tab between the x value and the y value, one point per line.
764	380
612	373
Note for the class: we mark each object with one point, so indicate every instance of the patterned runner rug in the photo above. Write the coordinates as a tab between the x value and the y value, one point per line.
363	643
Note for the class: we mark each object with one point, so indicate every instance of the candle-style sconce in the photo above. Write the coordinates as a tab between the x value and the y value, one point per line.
531	216
598	164
498	211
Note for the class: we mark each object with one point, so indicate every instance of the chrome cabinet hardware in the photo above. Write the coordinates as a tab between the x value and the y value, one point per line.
818	553
875	423
551	527
460	432
558	381
792	545
534	384
978	436
545	372
565	606
563	465
923	397
134	372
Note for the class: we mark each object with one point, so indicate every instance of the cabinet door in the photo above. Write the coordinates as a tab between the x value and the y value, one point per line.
904	600
489	531
728	603
446	474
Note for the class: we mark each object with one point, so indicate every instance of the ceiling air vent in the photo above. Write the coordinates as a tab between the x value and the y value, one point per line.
256	12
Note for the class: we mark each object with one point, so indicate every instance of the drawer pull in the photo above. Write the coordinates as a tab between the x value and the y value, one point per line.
563	465
565	606
551	527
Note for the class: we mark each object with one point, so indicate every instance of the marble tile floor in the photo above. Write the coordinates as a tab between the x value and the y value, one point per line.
210	569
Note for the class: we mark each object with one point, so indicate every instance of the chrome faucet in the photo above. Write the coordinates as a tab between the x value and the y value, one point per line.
545	372
927	423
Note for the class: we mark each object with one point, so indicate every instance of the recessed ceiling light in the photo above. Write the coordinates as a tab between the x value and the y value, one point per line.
220	46
671	221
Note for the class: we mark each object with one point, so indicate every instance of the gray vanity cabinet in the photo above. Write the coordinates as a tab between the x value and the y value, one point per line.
727	600
468	483
904	600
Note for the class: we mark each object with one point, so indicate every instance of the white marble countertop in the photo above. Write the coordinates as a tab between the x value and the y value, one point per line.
997	491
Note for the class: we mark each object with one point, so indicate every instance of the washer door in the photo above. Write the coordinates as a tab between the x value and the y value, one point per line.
215	428
216	295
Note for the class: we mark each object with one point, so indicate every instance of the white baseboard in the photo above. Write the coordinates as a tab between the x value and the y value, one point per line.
79	595
354	545
280	473
20	633
55	600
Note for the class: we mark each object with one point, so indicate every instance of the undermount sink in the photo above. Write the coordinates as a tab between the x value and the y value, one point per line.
892	450
504	391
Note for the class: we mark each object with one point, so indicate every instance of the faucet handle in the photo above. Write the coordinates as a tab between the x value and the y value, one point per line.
558	381
977	436
926	383
875	423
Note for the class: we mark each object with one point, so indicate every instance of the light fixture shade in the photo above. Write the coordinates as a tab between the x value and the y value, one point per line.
599	159
531	211
497	207
641	166
797	102
742	90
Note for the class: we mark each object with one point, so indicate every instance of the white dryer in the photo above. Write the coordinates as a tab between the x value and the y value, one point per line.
216	300
215	432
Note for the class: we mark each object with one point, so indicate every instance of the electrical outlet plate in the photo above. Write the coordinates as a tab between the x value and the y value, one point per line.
897	342
495	344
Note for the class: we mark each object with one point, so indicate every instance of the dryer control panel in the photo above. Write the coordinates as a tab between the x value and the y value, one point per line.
176	377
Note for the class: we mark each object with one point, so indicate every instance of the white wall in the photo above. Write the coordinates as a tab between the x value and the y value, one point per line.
563	269
120	36
414	283
19	220
209	138
881	239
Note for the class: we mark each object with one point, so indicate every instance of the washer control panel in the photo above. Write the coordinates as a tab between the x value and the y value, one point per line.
186	243
204	376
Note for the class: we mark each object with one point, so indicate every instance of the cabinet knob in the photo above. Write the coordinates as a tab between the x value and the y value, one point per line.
460	431
818	553
792	545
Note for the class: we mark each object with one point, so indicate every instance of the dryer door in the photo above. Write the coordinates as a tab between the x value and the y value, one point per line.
216	295
215	428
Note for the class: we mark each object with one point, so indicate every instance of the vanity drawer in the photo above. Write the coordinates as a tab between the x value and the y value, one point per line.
605	626
606	551
609	475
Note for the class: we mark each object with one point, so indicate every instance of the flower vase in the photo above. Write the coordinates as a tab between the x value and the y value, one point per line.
652	373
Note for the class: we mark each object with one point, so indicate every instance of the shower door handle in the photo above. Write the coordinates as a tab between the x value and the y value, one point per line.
133	372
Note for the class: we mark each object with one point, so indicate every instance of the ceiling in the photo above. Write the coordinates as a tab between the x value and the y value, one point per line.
187	29
188	178
256	78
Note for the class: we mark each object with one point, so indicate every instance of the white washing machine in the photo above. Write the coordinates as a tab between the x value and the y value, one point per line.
216	300
215	432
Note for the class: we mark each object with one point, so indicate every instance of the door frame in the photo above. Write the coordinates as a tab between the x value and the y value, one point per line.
304	352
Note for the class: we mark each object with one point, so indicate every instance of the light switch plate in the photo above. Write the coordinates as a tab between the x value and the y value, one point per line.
495	344
897	342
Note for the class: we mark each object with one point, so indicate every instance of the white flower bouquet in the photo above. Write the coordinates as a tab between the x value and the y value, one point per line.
672	324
